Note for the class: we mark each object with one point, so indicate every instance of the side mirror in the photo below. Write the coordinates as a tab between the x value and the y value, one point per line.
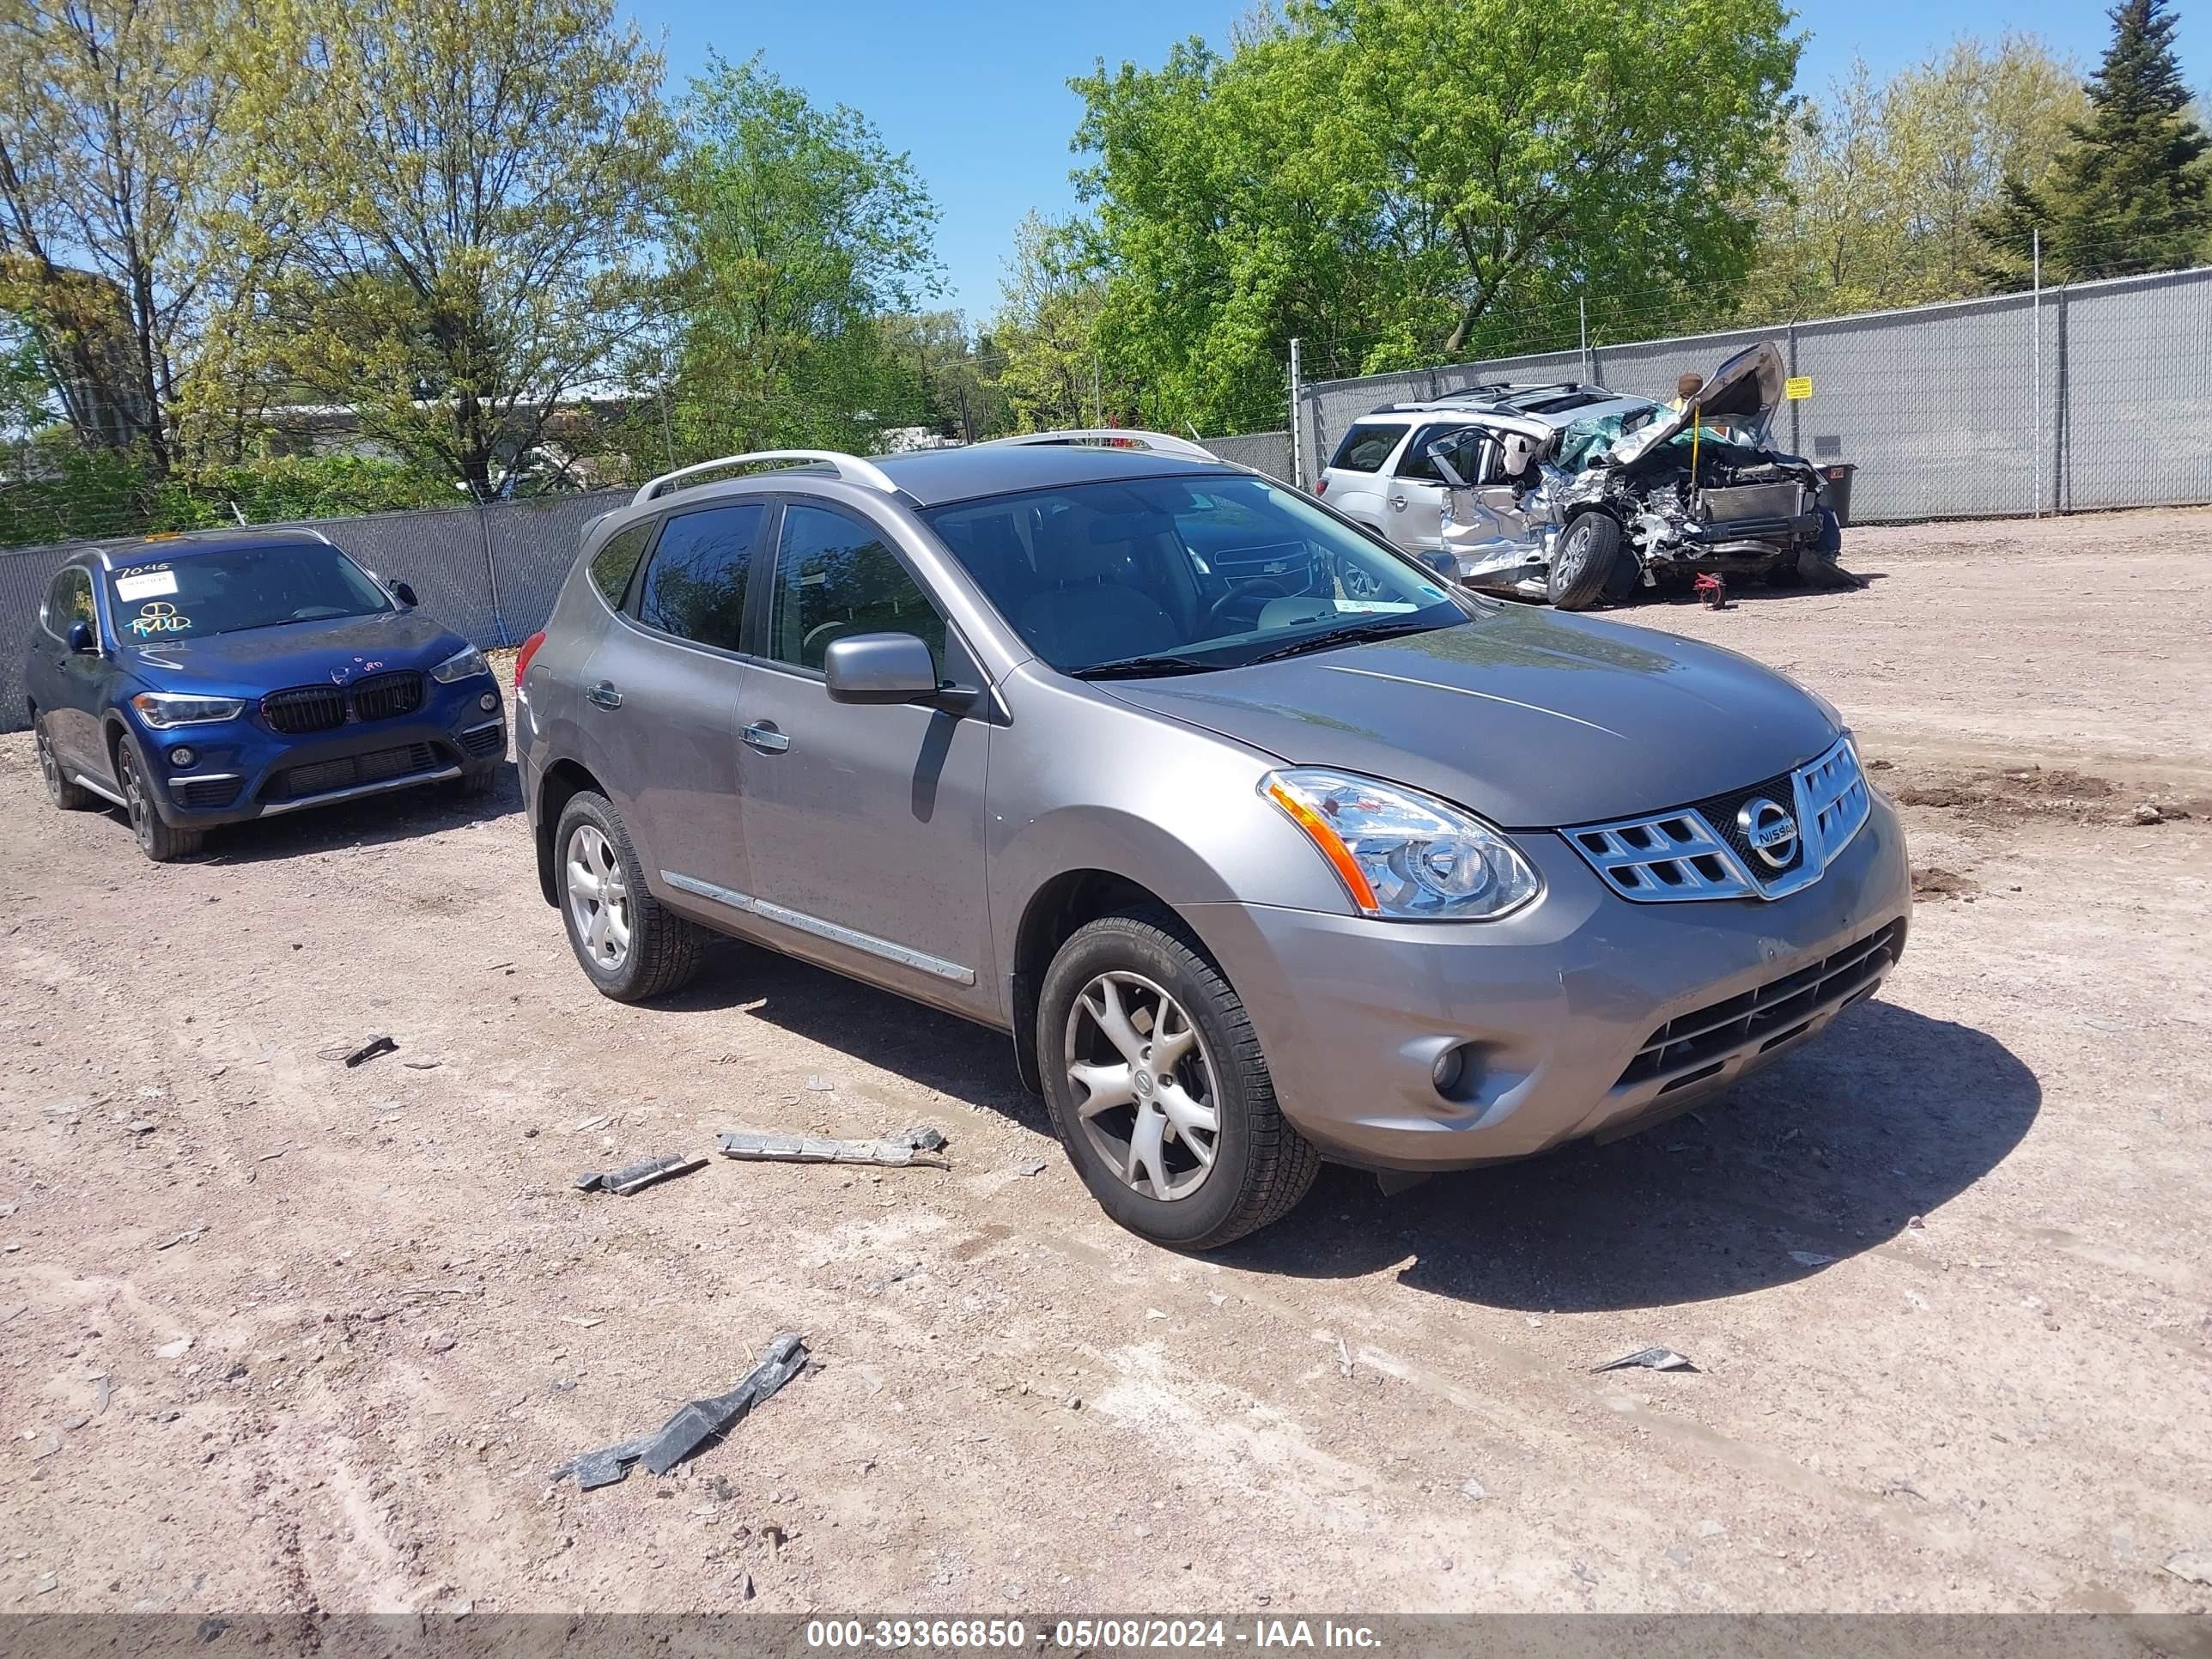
879	668
1440	452
80	638
405	592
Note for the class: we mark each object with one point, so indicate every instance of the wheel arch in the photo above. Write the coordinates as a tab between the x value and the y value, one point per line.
1055	912
563	781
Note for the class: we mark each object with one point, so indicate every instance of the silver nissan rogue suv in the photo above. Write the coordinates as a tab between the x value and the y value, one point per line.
1266	845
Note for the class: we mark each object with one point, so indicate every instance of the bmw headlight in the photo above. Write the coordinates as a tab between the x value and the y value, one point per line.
460	665
163	709
1402	854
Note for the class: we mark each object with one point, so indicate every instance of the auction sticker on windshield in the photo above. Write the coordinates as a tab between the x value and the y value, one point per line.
131	586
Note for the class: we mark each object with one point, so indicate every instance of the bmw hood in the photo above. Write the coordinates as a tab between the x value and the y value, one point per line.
1749	383
1534	719
332	653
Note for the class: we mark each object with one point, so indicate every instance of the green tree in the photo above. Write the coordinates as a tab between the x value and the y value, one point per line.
796	231
1886	182
469	188
1409	181
114	159
2132	189
1048	334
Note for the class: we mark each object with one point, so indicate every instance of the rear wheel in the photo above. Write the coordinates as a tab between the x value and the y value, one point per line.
69	796
632	946
1589	552
1158	1089
156	840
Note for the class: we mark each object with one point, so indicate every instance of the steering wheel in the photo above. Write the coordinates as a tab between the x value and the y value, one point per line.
1263	589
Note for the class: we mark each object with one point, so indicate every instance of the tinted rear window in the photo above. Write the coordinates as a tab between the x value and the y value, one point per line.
695	588
614	564
1365	448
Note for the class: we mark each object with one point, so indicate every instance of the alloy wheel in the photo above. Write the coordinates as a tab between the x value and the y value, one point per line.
598	896
50	764
1147	1097
135	803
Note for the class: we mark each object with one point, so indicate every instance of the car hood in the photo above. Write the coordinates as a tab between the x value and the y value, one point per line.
1532	719
1749	383
334	652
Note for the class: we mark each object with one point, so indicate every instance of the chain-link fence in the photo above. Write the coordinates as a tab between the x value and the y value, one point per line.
2090	397
1263	452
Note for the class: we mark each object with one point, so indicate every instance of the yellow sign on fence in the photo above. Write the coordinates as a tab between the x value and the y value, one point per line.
1797	387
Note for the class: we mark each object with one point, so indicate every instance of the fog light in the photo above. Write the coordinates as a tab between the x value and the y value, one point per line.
488	701
181	757
1449	1071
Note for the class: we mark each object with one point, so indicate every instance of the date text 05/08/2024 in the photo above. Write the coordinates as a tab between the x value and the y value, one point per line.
1005	1635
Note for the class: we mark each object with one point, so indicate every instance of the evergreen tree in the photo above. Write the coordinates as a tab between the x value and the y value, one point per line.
2132	191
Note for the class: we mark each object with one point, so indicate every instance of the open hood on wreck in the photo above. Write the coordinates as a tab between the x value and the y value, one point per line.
1747	384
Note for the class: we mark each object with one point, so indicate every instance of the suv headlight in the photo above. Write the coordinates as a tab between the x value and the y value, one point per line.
460	665
1402	854
163	709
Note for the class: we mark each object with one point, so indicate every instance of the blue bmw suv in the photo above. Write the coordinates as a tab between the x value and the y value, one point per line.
209	678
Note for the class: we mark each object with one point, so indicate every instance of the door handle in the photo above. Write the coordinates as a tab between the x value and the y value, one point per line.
604	695
1398	501
765	737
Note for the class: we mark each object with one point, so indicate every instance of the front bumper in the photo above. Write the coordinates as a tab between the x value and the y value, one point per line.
1585	1014
241	770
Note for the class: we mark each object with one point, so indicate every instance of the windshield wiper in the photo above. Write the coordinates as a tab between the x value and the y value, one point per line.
1132	668
1358	634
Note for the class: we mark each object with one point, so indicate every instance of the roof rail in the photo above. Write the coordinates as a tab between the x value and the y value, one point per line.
1115	437
851	468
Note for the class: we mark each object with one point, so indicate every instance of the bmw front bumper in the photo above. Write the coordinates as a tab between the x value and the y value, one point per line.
240	770
1586	1014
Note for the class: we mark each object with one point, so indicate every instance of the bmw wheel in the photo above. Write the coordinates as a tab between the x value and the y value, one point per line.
633	946
157	840
65	793
1158	1089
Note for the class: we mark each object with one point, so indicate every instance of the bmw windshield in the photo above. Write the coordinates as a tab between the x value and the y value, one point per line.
237	588
1182	574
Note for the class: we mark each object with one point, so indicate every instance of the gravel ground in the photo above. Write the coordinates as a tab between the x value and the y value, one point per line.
280	1336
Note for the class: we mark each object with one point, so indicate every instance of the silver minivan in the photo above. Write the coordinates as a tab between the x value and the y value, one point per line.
1266	845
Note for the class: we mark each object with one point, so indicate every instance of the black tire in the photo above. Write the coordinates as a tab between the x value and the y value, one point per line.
663	952
156	840
1261	1165
1589	549
66	795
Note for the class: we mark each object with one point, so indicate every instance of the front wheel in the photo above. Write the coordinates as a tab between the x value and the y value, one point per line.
633	946
1589	554
156	840
1158	1089
61	789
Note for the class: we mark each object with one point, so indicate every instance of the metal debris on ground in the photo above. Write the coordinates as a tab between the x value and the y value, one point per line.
913	1146
693	1426
637	1176
2194	1566
1650	1359
370	1049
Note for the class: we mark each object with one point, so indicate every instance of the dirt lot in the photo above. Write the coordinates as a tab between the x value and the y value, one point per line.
1946	1274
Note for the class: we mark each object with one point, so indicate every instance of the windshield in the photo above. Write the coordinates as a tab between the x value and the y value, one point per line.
238	588
1178	574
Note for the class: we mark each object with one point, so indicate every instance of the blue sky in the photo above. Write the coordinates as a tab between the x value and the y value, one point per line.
977	92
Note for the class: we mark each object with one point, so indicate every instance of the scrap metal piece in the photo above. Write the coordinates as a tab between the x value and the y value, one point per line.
371	1049
894	1151
695	1425
1650	1359
638	1177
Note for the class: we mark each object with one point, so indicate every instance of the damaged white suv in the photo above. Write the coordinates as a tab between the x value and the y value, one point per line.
1576	494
